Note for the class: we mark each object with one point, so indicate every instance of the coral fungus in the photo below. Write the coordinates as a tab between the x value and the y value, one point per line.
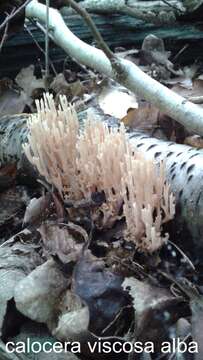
100	159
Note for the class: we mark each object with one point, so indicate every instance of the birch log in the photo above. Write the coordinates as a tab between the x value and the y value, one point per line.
184	170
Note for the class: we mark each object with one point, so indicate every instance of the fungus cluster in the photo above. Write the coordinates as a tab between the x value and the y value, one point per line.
99	159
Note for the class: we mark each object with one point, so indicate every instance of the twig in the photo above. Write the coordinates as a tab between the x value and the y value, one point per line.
174	354
4	36
13	14
173	6
95	32
116	317
180	52
187	291
40	48
183	255
43	29
196	99
78	229
47	46
115	62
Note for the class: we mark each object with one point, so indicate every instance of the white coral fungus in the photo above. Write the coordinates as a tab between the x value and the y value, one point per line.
100	159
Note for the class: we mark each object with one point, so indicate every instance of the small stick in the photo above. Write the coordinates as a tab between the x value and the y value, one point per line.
13	14
40	48
4	36
47	45
115	61
100	41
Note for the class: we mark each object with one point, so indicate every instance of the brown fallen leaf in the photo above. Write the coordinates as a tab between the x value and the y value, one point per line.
149	119
195	141
61	87
144	118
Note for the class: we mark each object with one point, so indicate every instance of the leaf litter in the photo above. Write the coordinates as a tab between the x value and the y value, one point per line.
64	290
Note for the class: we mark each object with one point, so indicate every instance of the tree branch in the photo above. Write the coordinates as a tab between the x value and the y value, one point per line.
177	107
84	14
4	36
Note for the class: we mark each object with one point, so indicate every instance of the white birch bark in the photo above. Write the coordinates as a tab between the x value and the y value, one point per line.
177	107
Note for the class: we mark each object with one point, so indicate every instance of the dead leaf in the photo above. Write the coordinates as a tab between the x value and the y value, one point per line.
196	91
200	77
73	319
60	86
16	260
12	102
173	130
59	241
144	118
11	206
36	210
27	81
38	333
151	304
36	295
195	141
186	79
100	289
116	100
5	84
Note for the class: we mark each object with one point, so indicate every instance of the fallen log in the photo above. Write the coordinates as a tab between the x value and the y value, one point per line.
184	170
151	10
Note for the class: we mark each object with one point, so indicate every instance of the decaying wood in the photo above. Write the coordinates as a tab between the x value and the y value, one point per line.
153	11
117	30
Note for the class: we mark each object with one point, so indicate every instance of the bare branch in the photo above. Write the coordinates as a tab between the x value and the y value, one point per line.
39	47
13	14
4	36
133	78
84	14
47	45
115	61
